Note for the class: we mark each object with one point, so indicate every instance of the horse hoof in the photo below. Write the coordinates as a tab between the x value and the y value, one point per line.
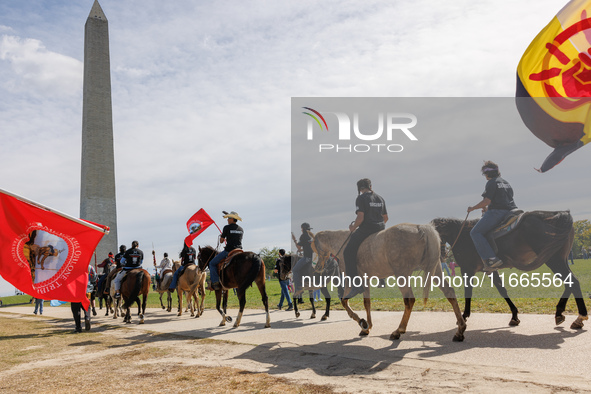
576	325
141	321
364	333
268	325
179	314
363	324
297	314
228	319
114	317
560	319
163	307
313	316
458	338
324	317
236	325
394	336
514	322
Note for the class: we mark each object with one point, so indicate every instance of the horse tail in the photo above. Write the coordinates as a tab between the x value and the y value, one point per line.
255	268
431	256
135	292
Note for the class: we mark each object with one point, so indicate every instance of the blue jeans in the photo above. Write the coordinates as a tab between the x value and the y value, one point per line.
213	266
38	306
489	220
175	277
284	293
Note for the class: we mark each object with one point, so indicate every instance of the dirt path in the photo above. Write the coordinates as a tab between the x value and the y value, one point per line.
296	355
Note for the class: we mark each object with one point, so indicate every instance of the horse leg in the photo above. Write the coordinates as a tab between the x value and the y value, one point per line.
144	302
409	301
450	294
326	295
190	303
263	290
218	301
161	304
241	293
560	266
311	295
503	292
467	294
295	304
169	301
362	323
180	297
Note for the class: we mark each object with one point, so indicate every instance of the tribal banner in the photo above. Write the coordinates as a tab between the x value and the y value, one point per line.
45	253
197	224
554	82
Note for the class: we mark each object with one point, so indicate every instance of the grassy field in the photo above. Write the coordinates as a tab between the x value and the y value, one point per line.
528	299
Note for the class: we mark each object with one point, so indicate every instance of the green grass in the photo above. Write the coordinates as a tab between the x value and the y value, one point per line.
485	299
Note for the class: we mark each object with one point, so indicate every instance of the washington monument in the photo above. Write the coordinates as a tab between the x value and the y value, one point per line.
97	191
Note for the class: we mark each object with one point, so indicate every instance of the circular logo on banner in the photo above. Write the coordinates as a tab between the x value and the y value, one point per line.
194	227
48	254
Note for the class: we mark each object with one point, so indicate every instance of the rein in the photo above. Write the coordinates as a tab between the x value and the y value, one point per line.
335	255
458	237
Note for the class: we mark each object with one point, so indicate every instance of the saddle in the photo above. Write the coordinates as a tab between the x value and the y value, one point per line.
163	274
226	262
508	224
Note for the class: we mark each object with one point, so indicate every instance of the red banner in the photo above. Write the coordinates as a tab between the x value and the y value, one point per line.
197	224
45	253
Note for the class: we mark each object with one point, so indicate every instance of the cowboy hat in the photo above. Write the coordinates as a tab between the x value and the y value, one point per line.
232	215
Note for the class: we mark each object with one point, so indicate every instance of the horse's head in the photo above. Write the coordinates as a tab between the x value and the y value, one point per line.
205	255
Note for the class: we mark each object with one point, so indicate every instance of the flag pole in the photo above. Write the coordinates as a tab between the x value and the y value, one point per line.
36	204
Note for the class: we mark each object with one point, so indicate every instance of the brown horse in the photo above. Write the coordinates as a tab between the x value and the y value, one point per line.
245	268
136	283
190	283
540	238
394	252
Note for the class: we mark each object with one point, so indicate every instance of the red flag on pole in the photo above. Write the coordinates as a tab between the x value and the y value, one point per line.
197	224
43	252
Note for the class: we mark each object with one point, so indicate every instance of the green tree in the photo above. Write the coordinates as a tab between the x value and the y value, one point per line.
582	237
269	256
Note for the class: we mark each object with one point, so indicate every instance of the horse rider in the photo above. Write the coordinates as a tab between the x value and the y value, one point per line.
119	255
132	258
165	264
497	201
305	243
188	256
372	216
232	234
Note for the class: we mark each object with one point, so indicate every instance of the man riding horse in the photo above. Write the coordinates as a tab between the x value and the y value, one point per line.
497	202
188	256
231	234
372	216
165	265
131	259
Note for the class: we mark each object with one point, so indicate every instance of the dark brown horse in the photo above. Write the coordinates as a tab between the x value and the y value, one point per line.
245	268
541	238
136	283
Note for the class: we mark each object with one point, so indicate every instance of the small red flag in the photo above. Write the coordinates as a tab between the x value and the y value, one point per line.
197	224
45	253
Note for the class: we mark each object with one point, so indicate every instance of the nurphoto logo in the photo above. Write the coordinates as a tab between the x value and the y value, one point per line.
390	126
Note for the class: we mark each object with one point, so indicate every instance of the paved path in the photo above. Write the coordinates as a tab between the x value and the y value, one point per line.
536	351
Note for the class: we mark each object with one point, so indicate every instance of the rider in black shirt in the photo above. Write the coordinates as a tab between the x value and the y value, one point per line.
371	218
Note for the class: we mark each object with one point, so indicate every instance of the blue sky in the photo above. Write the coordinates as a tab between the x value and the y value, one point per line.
202	90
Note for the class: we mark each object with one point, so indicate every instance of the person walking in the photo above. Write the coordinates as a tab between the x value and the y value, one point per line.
38	306
283	281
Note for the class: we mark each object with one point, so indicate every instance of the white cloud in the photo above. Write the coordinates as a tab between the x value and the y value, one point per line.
38	69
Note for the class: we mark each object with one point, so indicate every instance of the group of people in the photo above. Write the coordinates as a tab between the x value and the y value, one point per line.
371	216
